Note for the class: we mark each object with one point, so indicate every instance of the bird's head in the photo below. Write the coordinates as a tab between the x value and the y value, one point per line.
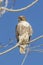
21	18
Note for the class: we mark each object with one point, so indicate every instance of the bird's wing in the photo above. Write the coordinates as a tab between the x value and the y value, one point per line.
17	34
30	30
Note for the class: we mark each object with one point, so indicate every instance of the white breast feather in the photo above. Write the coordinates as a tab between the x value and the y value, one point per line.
26	24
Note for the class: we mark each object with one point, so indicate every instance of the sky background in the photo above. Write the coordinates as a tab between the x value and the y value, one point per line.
8	24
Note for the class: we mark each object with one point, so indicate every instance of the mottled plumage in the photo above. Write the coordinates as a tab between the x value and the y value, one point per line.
23	33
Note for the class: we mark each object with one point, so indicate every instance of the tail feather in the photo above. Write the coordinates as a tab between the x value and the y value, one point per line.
23	49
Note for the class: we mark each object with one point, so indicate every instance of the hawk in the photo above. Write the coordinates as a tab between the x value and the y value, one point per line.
23	33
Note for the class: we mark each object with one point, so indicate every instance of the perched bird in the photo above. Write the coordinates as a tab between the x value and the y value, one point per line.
23	33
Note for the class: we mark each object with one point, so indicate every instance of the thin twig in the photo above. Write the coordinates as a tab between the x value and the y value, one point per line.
25	56
41	50
36	46
7	44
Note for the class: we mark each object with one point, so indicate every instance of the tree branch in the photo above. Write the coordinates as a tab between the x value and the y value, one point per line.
19	44
21	9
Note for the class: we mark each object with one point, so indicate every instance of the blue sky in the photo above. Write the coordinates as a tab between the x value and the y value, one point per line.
8	24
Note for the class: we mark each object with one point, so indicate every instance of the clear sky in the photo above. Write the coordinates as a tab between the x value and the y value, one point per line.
8	24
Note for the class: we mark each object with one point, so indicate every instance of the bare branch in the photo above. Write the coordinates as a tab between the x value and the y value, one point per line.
10	49
18	10
41	36
36	46
41	50
2	11
25	56
19	44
